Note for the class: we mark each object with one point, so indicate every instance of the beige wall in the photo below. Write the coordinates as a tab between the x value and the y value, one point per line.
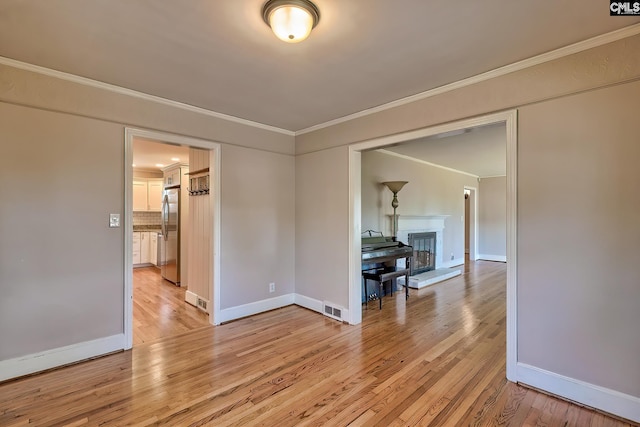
578	235
430	191
258	220
492	217
146	174
322	223
578	294
41	91
61	266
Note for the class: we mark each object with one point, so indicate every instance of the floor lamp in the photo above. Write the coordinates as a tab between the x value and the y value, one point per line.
395	187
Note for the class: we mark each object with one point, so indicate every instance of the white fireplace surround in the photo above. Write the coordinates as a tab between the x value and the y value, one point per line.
421	224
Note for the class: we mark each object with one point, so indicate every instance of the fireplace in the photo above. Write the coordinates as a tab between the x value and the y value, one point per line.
424	252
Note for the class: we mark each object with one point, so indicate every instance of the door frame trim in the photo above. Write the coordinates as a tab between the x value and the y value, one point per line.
215	162
510	119
473	222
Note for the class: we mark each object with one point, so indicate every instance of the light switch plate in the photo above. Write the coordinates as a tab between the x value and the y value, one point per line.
114	220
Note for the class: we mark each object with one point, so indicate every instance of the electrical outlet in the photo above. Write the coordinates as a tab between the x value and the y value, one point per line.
272	287
451	256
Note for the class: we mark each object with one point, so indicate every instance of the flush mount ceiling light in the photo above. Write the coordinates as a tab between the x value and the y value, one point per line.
291	20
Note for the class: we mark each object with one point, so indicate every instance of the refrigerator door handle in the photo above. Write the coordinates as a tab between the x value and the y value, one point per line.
165	216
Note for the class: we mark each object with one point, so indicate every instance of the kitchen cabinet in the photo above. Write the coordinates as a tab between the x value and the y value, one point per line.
154	191
172	177
140	196
147	195
153	248
145	248
136	248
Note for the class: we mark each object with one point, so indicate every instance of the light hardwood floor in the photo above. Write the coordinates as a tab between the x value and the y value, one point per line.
159	309
436	360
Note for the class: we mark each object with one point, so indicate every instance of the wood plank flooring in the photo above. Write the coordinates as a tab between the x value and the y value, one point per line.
436	360
159	309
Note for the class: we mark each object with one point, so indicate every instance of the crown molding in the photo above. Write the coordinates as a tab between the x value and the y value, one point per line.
593	42
491	176
135	94
413	159
596	41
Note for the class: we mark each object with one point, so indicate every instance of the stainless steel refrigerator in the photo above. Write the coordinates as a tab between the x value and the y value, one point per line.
170	246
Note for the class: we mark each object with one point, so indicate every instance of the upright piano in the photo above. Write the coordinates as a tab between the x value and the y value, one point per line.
379	257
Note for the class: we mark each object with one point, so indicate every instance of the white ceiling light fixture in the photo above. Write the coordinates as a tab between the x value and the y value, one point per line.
291	20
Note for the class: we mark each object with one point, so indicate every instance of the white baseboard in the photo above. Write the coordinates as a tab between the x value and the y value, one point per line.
36	362
191	298
318	306
499	258
453	263
250	309
604	399
310	303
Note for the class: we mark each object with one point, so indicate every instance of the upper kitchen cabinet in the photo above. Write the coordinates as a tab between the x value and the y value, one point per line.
175	175
147	194
154	191
140	198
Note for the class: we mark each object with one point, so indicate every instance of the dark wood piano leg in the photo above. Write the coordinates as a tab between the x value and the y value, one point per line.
406	287
380	293
366	294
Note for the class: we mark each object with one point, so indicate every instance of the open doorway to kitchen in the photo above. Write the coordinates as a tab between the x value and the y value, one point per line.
161	240
171	242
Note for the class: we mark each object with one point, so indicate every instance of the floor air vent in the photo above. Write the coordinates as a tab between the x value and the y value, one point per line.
202	304
332	310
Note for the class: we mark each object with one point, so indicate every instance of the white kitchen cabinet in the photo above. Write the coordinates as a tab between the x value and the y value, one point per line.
144	247
172	176
154	191
147	194
153	248
136	247
140	197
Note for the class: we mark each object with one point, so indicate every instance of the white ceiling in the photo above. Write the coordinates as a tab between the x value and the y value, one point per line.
480	151
219	54
148	154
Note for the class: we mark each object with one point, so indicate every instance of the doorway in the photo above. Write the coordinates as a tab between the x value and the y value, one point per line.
509	119
150	276
470	223
161	239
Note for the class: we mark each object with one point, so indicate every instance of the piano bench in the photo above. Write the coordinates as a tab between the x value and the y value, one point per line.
384	274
